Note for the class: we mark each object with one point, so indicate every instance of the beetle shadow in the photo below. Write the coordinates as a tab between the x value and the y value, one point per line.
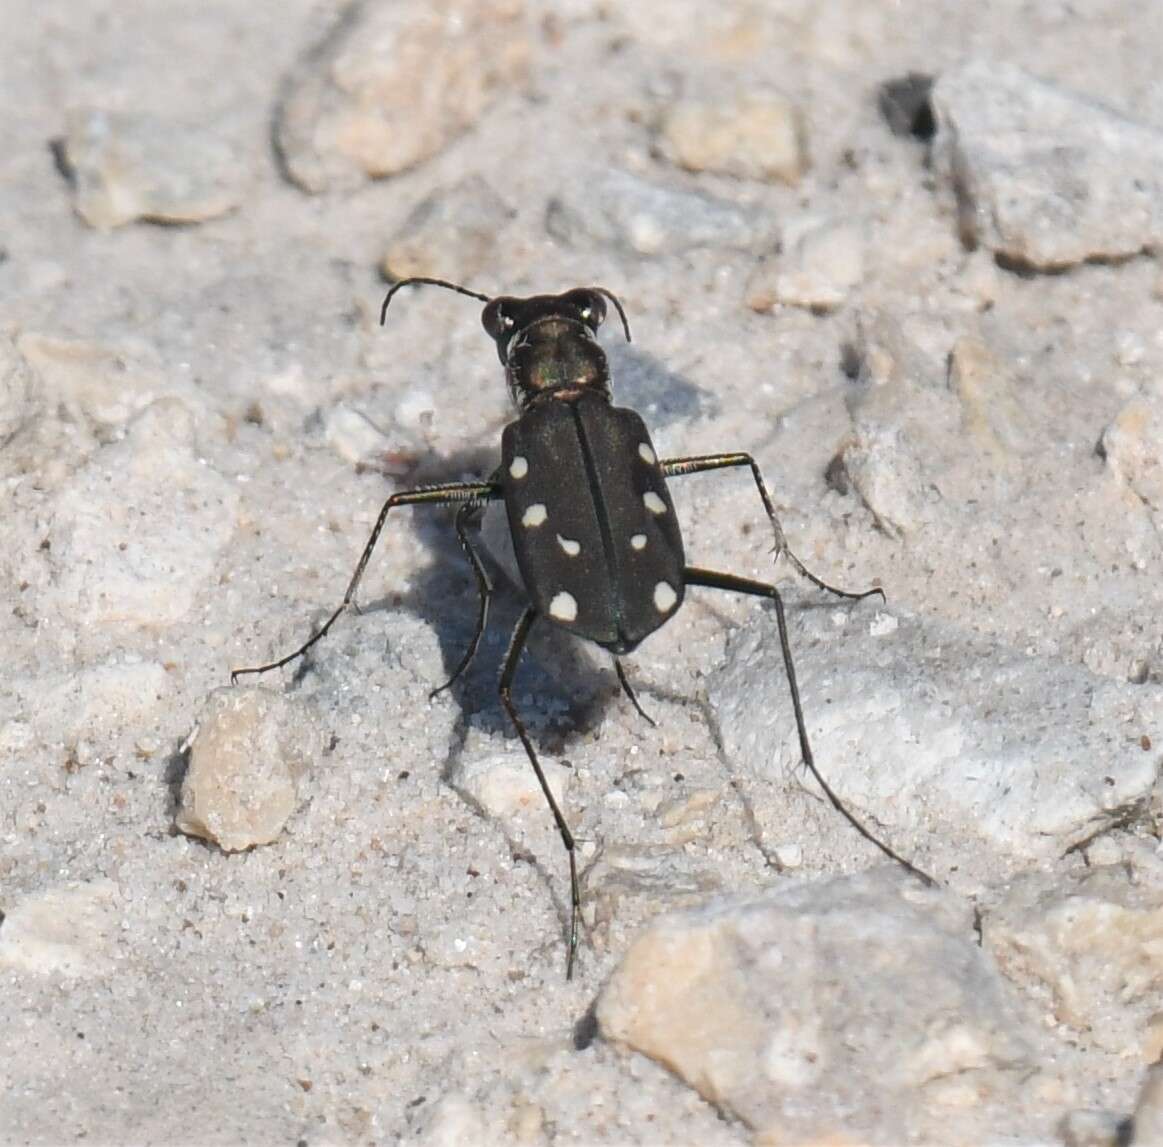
571	692
646	384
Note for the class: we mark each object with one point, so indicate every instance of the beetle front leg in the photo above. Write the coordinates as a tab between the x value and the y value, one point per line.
450	495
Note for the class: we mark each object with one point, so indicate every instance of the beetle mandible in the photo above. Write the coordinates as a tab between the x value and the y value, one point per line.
596	539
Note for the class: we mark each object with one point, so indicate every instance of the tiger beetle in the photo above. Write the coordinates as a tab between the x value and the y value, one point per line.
593	527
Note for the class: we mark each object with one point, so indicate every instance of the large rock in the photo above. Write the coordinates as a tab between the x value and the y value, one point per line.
394	84
953	742
859	1010
1046	177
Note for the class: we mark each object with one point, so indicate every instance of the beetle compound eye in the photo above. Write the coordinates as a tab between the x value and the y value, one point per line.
590	307
496	319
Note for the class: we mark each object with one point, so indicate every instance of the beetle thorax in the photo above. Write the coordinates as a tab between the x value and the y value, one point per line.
555	357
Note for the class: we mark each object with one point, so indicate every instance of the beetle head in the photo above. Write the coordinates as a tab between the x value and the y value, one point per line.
548	343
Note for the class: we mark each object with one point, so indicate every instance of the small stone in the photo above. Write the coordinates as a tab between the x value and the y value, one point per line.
818	273
16	390
1152	1042
684	818
506	786
983	385
129	166
1132	445
789	855
106	384
450	1122
880	464
452	234
393	84
1098	947
620	210
70	930
901	425
749	135
778	1010
247	755
1044	177
353	435
1092	1129
1147	1122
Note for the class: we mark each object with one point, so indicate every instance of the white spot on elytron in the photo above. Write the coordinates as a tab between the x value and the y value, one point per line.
518	468
534	515
653	502
646	454
664	597
569	545
638	541
564	605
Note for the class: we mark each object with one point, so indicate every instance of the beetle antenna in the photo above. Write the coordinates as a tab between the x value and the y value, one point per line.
436	283
621	313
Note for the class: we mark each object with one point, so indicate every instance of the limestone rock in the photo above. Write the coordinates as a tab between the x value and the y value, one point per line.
622	210
451	234
818	271
68	930
779	1010
136	531
1046	177
930	726
129	166
747	134
393	85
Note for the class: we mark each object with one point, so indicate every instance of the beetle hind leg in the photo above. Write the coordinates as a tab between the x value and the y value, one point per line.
712	579
625	683
508	672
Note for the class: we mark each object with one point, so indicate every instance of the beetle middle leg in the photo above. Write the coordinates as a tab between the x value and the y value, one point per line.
509	670
678	467
712	579
484	588
454	494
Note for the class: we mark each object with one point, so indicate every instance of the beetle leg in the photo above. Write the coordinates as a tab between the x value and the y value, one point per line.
484	588
509	670
715	580
677	467
450	495
622	680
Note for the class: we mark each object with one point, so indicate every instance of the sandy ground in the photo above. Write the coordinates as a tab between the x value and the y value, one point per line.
201	418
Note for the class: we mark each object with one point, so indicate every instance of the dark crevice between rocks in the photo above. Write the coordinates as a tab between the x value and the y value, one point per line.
585	1031
1025	269
906	106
